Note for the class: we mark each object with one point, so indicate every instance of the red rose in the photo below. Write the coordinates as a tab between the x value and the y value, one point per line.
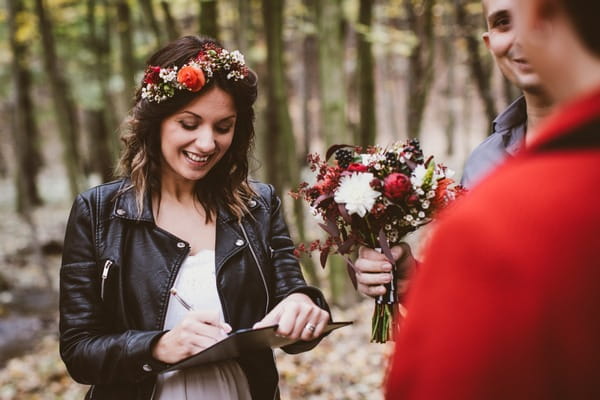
396	186
356	167
152	74
191	77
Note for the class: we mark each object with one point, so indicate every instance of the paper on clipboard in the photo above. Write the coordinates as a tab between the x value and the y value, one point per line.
240	342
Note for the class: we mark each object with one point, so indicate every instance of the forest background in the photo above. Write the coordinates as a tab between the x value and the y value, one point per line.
330	71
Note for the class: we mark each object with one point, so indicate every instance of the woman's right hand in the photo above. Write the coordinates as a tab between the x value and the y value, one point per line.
197	331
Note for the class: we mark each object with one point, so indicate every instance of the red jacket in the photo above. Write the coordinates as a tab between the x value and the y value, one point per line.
507	301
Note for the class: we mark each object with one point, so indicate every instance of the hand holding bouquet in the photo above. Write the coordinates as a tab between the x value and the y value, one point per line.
375	198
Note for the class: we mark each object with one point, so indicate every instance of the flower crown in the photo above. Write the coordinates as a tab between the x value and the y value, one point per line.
162	83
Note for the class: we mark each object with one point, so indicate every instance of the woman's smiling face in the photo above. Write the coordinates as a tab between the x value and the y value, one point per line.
196	137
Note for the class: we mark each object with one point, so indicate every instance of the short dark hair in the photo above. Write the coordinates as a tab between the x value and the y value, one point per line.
584	17
227	183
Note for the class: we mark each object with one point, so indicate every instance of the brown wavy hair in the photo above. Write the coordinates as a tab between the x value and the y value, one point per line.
226	184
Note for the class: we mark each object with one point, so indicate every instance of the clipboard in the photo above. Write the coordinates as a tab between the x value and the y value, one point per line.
241	342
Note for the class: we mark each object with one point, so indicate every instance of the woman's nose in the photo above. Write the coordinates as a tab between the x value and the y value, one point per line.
205	139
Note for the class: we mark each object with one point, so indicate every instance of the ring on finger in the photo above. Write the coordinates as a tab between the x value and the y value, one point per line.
311	327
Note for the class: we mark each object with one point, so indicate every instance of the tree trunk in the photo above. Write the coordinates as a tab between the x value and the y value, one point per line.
333	116
448	46
102	163
24	128
281	144
480	71
104	144
170	22
420	76
244	28
150	17
66	113
209	17
310	88
126	55
365	62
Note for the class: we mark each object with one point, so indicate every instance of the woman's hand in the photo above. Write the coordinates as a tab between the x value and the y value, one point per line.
298	317
373	270
197	331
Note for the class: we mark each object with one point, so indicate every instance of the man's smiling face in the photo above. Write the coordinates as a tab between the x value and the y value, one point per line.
504	44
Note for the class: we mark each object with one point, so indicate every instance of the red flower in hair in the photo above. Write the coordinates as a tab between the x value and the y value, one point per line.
191	77
152	74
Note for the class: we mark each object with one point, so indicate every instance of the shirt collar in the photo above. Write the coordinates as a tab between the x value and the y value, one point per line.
512	125
514	115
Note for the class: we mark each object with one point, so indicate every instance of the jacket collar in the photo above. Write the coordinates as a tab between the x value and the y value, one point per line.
125	204
126	208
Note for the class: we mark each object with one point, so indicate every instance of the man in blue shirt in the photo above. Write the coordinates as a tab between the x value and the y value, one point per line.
511	130
510	127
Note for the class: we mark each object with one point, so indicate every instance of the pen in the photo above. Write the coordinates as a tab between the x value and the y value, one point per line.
184	303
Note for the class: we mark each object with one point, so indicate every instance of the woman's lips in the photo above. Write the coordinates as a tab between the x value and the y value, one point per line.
195	158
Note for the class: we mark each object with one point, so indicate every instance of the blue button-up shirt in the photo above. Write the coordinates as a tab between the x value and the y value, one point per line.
508	137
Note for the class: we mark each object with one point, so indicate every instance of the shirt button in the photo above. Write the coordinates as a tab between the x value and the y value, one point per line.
251	203
239	242
181	245
121	212
147	367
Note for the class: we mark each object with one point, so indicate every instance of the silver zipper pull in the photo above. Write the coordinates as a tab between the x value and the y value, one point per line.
107	265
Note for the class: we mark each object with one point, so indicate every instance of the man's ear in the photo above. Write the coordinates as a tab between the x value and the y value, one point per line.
486	39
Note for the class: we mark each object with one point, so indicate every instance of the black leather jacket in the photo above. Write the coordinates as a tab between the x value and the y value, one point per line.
116	273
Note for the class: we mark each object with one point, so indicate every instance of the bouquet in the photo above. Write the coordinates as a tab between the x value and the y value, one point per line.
375	198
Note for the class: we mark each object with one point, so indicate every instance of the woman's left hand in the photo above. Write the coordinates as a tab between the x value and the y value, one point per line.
298	317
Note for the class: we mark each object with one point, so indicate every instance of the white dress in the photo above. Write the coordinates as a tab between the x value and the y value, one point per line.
196	283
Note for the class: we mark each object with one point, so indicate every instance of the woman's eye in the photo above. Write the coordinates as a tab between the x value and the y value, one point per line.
224	128
188	125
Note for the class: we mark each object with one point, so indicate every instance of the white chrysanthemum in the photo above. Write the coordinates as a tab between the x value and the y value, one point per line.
418	175
356	193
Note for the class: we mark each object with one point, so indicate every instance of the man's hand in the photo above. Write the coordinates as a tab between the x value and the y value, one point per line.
373	270
298	318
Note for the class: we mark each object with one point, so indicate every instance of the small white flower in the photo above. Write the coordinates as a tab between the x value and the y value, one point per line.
430	194
425	204
237	57
356	193
418	175
421	214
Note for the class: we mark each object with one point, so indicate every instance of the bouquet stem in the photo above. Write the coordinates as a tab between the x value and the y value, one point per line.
383	322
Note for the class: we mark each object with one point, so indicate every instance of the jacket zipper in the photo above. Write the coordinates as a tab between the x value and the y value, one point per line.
257	266
105	271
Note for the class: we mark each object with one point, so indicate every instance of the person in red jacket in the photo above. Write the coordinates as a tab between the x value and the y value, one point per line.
505	304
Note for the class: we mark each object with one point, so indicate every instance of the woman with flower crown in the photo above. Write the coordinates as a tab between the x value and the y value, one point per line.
185	248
